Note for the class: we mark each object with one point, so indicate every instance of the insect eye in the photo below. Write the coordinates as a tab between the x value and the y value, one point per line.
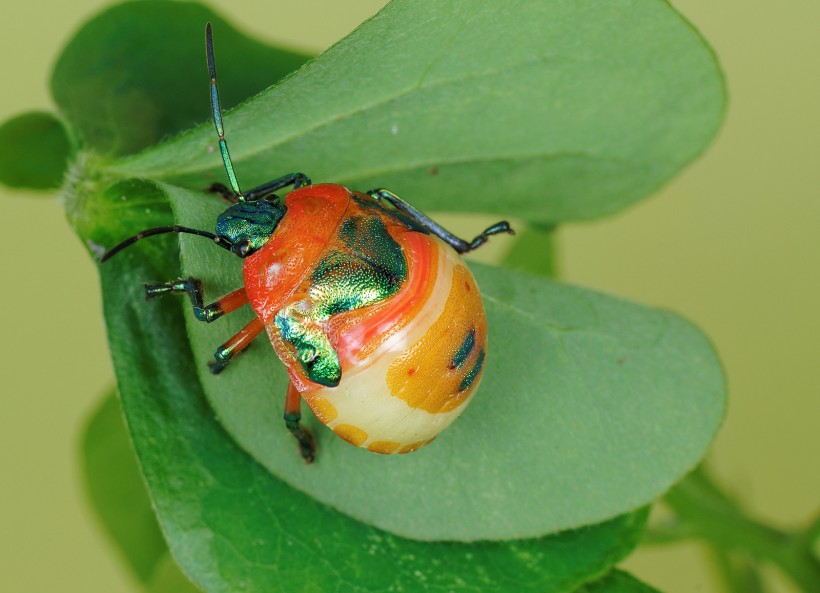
242	248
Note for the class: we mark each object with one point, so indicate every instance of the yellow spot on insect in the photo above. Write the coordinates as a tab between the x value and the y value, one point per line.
324	410
352	434
385	447
415	446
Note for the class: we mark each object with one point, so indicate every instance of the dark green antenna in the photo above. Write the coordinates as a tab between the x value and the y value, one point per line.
216	108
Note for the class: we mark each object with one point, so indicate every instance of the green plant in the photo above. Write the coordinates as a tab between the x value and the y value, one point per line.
583	110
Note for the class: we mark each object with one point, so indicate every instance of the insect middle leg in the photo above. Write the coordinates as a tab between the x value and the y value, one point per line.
460	245
235	346
293	414
193	288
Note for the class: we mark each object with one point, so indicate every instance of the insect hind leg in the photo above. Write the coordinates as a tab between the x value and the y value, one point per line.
457	243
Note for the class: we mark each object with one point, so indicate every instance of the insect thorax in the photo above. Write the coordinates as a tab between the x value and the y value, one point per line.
250	223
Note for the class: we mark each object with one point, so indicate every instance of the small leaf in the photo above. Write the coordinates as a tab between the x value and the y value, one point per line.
590	407
547	110
136	73
117	492
617	582
168	578
34	151
533	251
232	526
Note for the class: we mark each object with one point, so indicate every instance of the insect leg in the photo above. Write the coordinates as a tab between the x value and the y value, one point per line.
293	413
193	288
265	190
297	180
235	346
460	245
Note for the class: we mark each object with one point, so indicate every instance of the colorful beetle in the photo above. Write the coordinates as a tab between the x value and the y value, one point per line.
366	301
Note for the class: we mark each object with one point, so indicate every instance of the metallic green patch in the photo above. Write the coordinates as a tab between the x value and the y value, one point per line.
464	351
470	377
316	356
368	239
370	269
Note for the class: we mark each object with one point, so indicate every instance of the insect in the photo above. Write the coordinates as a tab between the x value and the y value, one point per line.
366	301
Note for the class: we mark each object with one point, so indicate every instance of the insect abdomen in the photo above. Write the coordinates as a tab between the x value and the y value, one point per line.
411	363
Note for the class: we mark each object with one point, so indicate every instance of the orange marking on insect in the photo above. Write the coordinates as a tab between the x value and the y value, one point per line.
383	447
414	446
324	410
352	434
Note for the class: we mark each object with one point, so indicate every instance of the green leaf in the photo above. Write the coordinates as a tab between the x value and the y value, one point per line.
548	110
117	492
136	73
232	526
590	407
34	151
617	582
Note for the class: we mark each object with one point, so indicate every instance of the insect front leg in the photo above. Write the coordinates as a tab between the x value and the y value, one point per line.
224	191
193	288
265	190
460	245
293	414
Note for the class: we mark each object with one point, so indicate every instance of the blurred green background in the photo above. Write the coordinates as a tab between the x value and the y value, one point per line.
733	244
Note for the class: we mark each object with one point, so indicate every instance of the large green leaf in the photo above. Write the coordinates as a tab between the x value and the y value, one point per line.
136	73
590	407
549	110
232	526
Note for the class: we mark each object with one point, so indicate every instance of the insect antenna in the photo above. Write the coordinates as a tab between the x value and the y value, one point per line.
224	243
216	110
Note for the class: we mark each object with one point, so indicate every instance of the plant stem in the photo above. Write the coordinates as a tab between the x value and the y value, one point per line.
738	572
703	511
